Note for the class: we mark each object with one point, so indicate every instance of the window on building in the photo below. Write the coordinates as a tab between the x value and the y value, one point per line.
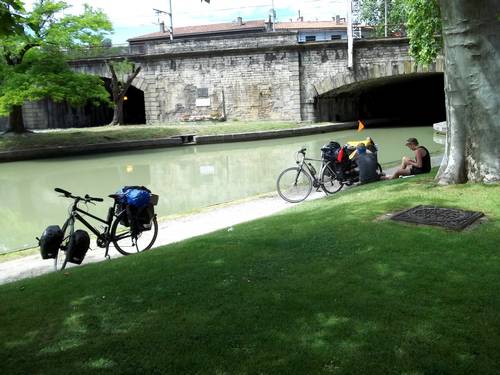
334	37
202	92
310	38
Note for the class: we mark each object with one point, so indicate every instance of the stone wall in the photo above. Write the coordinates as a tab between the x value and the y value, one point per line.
237	86
253	77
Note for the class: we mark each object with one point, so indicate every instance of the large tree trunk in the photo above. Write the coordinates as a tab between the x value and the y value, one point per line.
471	33
118	112
16	122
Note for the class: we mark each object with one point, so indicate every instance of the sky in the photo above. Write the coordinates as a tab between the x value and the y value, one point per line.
134	18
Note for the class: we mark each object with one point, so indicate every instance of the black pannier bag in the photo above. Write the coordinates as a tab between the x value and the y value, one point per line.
330	151
143	216
50	241
78	245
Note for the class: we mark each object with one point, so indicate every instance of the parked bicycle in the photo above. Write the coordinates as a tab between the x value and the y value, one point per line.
296	183
127	233
343	160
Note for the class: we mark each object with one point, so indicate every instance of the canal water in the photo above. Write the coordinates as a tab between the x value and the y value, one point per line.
185	178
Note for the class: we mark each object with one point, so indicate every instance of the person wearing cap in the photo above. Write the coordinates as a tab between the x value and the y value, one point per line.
421	164
367	164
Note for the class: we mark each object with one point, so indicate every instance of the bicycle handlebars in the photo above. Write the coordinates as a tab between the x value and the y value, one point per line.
86	198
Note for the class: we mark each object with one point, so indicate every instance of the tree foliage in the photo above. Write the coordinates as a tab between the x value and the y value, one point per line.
9	16
373	14
418	19
424	29
32	60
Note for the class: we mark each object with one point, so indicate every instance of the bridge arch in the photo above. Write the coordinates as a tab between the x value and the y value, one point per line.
332	98
371	71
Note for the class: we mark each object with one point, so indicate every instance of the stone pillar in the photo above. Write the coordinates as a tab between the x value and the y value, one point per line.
308	110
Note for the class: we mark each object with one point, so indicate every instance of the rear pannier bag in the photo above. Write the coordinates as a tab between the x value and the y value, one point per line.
78	245
139	204
50	241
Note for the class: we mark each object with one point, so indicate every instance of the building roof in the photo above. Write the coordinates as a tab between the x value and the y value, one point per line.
235	27
310	25
216	28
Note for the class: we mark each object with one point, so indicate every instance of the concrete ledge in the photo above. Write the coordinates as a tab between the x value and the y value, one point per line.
175	141
62	151
257	136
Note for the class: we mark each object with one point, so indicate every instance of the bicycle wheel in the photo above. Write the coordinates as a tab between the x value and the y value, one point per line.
294	185
329	182
61	259
127	242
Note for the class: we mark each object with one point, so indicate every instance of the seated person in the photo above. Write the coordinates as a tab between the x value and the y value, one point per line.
367	164
421	164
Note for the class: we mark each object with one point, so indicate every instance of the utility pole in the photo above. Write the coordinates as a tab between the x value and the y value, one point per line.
353	29
171	27
349	35
385	17
273	14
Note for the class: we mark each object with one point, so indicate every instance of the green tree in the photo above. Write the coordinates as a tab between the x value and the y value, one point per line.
32	62
9	16
424	29
122	74
373	14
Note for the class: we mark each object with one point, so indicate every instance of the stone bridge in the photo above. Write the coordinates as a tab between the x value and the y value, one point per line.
267	77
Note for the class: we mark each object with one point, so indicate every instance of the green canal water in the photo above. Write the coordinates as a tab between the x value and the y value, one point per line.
185	178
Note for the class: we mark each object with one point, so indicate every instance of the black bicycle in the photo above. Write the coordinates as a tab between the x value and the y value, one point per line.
296	183
117	231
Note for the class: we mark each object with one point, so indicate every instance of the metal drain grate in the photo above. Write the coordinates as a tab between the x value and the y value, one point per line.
450	218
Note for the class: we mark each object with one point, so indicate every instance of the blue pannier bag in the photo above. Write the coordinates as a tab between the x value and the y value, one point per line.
137	197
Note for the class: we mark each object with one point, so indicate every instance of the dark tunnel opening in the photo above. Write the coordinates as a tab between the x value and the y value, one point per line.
416	99
134	111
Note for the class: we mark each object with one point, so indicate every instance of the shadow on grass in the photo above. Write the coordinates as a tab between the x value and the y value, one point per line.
321	288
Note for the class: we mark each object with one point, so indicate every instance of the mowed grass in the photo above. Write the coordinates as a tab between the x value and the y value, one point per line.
325	287
108	134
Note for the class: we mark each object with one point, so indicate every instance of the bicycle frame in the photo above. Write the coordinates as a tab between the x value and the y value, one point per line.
310	169
75	215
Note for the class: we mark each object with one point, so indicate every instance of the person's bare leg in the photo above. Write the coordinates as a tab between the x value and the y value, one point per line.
402	172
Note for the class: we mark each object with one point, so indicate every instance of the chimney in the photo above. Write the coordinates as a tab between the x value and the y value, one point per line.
337	19
239	21
162	27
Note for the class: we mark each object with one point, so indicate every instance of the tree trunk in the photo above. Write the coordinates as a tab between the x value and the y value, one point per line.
16	122
471	34
118	112
118	90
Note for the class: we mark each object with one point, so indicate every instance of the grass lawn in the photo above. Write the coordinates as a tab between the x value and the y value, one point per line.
106	134
325	287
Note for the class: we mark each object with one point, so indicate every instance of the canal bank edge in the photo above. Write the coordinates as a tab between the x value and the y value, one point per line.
175	141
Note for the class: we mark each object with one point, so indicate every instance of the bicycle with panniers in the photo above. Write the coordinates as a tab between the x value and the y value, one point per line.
130	227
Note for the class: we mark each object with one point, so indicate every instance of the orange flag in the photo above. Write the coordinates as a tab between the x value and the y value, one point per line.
361	125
